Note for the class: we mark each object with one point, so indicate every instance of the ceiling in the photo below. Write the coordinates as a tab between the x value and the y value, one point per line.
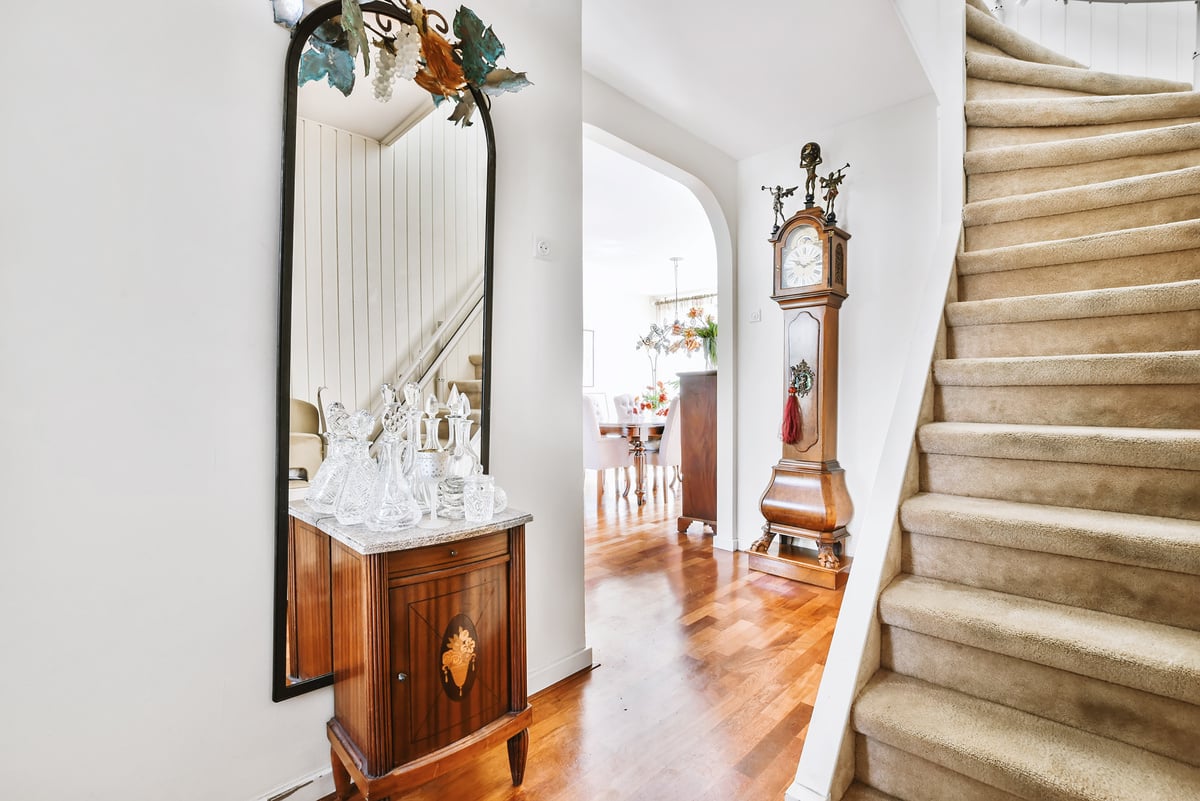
635	220
755	75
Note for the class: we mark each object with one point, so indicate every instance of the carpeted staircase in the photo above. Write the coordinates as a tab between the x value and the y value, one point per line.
1042	640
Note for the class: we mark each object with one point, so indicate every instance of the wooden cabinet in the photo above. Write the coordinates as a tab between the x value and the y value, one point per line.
698	441
428	659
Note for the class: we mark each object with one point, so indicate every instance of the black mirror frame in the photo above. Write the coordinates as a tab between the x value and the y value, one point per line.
281	689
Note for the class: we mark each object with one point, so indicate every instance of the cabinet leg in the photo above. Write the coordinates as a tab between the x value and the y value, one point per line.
518	749
341	777
683	524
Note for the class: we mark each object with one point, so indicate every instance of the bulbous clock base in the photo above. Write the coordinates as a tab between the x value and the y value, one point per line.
805	501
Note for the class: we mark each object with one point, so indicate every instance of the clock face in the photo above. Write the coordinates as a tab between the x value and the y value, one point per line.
803	258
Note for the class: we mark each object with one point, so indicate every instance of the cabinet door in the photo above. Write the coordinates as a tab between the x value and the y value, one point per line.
449	641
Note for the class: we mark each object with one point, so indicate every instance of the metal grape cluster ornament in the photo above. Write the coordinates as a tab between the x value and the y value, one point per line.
421	51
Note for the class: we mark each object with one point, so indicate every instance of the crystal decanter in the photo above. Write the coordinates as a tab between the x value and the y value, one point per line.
326	485
392	505
361	471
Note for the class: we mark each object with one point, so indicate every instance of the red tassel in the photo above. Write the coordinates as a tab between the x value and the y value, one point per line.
791	418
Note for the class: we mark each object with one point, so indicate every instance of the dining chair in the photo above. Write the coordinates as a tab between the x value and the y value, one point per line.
603	453
626	407
669	453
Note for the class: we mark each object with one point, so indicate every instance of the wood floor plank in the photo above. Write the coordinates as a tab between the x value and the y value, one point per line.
706	679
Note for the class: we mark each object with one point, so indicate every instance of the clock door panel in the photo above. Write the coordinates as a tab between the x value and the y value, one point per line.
449	639
804	344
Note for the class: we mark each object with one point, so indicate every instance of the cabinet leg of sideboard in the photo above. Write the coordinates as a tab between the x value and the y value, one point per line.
518	749
341	777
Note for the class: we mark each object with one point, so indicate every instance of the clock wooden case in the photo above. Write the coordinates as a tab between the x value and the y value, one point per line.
806	499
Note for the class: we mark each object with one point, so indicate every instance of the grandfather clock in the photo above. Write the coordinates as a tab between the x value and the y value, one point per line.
806	502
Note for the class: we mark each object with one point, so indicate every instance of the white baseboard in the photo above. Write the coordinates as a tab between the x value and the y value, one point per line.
312	787
543	678
798	792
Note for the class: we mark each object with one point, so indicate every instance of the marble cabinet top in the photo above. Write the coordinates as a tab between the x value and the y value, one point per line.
364	541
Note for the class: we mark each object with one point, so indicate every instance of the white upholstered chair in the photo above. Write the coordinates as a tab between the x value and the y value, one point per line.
668	454
603	453
306	449
626	407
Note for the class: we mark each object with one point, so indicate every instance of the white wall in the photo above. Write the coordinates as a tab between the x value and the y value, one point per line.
889	205
138	298
617	318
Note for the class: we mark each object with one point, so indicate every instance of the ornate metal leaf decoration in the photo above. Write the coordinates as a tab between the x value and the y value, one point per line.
441	74
502	79
326	59
356	32
480	47
463	110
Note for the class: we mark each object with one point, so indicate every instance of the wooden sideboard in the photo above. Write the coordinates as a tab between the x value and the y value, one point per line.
698	440
428	652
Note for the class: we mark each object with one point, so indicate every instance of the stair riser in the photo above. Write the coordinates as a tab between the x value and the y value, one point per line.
1080	223
1154	268
1137	592
989	185
1160	725
1153	491
984	89
911	778
1153	406
1133	333
981	138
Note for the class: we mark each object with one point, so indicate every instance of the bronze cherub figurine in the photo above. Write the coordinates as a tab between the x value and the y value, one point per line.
779	193
830	184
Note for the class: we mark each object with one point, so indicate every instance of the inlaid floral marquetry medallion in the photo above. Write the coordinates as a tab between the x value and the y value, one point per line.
458	657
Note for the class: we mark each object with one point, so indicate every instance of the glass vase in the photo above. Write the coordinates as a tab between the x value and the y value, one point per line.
479	499
326	485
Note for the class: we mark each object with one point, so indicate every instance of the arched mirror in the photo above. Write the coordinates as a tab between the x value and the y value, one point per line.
385	272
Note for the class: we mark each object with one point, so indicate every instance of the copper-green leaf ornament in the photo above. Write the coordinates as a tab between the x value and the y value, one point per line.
479	45
356	32
327	57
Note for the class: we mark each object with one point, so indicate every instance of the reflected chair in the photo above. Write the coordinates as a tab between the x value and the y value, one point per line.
669	453
603	453
306	449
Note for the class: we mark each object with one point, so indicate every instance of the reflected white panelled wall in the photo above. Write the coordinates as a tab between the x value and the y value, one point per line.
388	241
1155	39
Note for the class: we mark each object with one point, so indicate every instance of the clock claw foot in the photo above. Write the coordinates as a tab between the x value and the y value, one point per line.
827	558
762	543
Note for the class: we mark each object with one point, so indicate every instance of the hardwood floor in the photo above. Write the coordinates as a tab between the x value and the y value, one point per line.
707	672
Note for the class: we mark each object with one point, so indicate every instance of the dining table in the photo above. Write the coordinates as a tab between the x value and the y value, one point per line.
638	432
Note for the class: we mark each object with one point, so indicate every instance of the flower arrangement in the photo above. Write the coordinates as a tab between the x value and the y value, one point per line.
656	342
656	400
698	332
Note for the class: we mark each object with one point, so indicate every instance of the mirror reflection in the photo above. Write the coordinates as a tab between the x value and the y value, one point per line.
388	247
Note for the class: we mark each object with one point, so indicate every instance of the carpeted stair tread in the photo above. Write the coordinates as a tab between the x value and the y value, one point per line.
1120	192
861	792
1072	111
1020	753
1170	449
1169	139
1164	238
987	29
1078	79
1161	725
1163	543
1153	657
1108	302
1092	369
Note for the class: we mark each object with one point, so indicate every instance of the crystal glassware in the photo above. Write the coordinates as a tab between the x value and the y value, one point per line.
479	498
392	505
429	468
361	472
464	462
326	485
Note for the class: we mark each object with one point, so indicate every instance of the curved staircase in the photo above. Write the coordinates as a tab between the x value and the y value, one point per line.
1042	640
